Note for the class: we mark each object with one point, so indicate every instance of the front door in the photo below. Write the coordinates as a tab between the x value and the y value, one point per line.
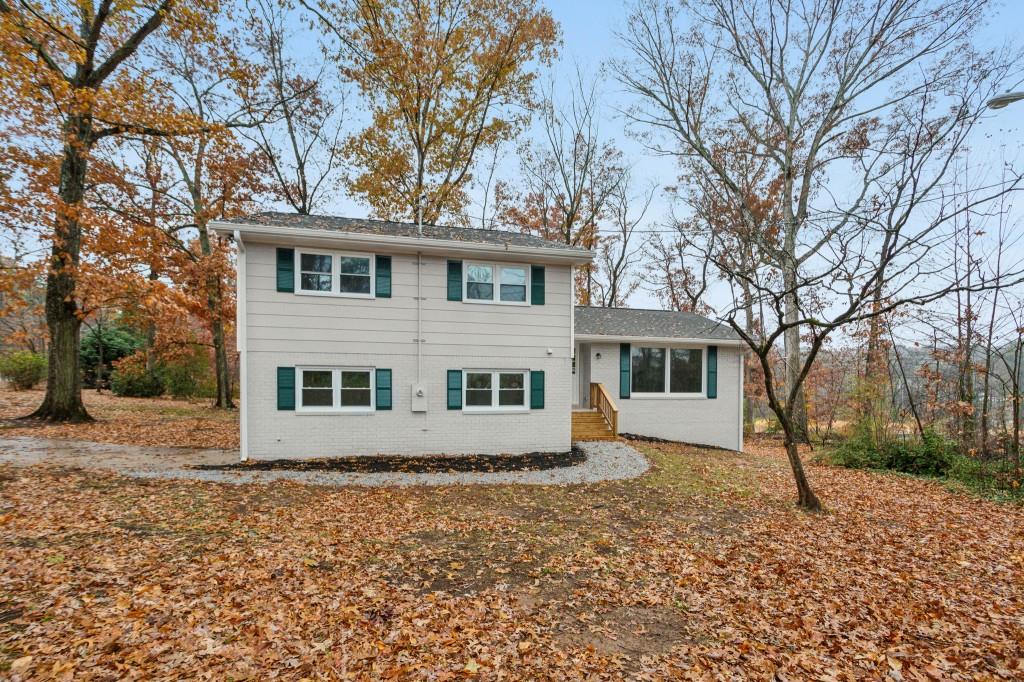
583	374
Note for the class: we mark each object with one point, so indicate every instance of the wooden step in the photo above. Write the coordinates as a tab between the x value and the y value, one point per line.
590	425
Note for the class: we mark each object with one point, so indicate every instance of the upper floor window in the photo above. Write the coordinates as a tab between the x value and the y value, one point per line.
677	371
497	283
354	275
341	274
315	272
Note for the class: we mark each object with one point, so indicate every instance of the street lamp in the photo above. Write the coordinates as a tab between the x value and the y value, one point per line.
1004	99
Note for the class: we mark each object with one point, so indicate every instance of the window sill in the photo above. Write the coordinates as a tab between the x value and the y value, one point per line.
504	410
331	294
520	304
668	396
335	412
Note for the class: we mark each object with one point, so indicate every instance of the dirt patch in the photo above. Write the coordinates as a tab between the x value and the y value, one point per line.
627	631
467	564
530	461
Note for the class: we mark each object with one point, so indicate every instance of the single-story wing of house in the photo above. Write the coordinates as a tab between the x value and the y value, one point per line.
672	375
363	337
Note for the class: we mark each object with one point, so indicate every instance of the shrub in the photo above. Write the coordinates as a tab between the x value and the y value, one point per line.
23	369
112	342
930	455
133	379
187	375
857	452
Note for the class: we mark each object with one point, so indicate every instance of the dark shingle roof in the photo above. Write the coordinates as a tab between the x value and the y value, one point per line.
665	324
389	228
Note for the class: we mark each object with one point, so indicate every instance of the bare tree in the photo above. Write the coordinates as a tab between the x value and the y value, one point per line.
568	176
861	108
302	140
616	274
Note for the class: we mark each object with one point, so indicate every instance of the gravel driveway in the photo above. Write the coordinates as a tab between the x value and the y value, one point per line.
606	460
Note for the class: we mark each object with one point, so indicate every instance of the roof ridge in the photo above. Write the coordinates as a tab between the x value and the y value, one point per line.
400	222
646	310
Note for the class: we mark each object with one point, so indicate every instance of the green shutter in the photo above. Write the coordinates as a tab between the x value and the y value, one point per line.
286	270
537	390
624	367
286	388
712	371
383	384
382	283
536	285
455	389
454	280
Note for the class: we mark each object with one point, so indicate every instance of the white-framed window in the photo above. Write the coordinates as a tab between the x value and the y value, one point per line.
667	370
497	390
330	273
497	283
335	389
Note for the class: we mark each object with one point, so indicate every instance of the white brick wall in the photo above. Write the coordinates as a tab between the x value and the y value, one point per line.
288	434
690	420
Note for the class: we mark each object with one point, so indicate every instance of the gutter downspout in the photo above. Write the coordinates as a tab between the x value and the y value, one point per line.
743	364
419	318
240	344
419	291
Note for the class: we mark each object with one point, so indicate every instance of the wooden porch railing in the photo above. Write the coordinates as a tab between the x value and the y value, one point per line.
604	404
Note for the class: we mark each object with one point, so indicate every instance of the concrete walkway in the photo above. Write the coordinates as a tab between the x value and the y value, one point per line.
606	460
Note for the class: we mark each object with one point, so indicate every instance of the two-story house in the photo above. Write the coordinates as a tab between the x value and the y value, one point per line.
361	337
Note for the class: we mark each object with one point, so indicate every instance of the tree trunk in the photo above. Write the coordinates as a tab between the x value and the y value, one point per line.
806	499
748	400
871	404
220	353
214	301
63	399
154	275
792	347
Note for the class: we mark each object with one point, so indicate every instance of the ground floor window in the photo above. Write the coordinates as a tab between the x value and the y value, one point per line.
335	388
494	389
657	370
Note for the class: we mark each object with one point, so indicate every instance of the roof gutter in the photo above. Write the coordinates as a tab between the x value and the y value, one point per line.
412	244
616	338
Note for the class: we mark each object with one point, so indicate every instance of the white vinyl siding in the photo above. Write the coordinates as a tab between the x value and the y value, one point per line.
320	323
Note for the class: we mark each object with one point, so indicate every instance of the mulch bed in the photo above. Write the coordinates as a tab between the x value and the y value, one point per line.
432	464
664	441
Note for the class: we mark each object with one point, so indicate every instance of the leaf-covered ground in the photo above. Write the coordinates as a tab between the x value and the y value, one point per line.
128	421
701	569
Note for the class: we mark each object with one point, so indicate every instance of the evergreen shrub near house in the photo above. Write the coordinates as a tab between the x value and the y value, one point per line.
131	378
22	369
101	347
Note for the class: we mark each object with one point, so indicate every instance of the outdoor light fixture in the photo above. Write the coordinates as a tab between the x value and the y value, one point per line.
1003	100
